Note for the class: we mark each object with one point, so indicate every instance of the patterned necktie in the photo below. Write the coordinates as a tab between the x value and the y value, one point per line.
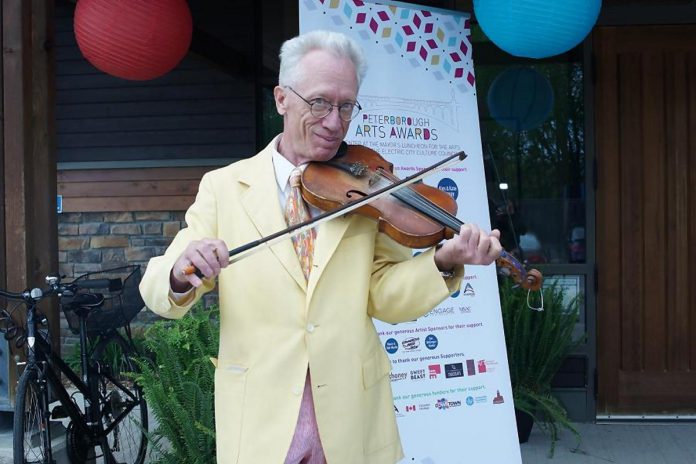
296	211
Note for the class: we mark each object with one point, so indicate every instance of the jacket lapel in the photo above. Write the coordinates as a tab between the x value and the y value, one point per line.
260	201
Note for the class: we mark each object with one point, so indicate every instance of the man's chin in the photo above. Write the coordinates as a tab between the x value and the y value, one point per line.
326	153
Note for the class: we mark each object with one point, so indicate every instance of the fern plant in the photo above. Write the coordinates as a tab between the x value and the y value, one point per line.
177	381
537	344
112	355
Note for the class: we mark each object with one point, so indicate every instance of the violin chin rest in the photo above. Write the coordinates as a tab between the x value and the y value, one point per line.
342	149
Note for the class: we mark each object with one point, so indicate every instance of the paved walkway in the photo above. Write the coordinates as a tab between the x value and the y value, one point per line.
673	443
624	443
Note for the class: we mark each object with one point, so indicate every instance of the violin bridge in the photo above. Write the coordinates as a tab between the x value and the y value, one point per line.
357	169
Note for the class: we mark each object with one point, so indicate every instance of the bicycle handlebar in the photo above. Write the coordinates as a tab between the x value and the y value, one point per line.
14	296
55	286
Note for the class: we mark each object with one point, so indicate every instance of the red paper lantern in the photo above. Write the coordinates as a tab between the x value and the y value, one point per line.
133	39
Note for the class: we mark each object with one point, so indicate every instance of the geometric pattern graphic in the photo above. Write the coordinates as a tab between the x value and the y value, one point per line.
438	42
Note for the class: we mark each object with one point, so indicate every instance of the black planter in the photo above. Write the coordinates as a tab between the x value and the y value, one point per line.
524	425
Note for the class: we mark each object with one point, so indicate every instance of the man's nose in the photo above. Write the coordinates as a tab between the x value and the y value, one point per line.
332	120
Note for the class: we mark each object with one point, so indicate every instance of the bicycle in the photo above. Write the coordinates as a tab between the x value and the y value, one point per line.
104	408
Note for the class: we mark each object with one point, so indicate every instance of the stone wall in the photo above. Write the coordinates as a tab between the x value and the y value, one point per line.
89	242
94	241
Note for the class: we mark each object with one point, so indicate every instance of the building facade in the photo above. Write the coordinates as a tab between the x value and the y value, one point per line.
591	186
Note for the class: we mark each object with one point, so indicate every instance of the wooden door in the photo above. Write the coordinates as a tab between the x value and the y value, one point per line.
646	219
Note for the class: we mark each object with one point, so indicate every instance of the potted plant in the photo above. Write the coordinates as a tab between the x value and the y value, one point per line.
537	344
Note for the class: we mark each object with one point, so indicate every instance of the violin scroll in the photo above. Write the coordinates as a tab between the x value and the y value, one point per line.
510	266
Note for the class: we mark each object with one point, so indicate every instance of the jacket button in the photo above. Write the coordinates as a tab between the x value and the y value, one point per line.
297	391
310	328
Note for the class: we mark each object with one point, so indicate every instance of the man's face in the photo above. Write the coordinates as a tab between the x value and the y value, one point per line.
306	137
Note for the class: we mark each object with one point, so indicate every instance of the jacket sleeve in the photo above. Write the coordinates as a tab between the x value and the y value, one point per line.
201	222
403	288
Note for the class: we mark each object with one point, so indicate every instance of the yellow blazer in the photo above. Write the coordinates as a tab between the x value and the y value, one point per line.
274	325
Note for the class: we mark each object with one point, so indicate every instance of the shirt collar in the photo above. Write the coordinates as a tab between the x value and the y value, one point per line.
282	166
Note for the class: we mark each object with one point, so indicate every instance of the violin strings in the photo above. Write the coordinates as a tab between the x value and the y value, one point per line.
423	204
412	198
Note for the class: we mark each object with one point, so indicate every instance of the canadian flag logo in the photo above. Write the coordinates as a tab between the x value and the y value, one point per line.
410	407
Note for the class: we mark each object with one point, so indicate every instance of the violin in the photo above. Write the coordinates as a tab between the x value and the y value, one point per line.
410	212
416	216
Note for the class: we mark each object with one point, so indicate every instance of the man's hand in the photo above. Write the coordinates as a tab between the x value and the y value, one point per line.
470	246
208	255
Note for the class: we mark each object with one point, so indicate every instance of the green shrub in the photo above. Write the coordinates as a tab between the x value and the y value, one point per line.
177	380
537	344
112	355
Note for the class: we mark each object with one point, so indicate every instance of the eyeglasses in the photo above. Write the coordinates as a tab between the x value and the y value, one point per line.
320	108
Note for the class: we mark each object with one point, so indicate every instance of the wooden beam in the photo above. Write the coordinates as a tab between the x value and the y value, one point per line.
30	245
42	227
3	235
17	77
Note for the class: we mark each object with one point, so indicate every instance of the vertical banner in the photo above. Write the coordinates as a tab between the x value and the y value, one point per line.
451	384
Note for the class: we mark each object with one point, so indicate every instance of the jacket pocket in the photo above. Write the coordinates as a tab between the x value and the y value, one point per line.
230	391
375	368
378	405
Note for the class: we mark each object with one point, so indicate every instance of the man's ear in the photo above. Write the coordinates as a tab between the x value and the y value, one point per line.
280	96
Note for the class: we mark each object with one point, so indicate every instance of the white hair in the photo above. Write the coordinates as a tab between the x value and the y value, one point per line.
293	50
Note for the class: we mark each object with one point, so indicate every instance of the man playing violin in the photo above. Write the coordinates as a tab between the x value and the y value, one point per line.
302	376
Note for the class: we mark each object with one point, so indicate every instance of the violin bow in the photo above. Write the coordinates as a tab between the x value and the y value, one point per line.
241	252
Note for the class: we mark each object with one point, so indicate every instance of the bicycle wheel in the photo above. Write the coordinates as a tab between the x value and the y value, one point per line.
122	405
31	441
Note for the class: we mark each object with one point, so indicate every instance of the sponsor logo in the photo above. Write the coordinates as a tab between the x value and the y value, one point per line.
441	311
454	370
468	290
424	407
480	399
411	344
448	185
469	400
418	374
465	309
410	407
498	398
431	342
442	404
470	368
391	345
487	365
434	370
395	377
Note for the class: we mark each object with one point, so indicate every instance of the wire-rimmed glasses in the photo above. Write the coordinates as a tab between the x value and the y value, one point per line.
321	108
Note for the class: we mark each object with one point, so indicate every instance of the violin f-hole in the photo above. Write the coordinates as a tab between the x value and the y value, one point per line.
351	193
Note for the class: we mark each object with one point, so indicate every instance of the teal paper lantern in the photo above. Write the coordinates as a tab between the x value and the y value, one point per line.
536	28
520	98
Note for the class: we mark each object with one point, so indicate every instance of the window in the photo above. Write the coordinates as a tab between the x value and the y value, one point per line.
532	130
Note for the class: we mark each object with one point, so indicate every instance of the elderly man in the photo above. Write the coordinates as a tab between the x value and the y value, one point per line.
302	376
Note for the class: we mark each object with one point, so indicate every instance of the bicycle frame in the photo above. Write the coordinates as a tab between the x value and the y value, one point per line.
45	361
